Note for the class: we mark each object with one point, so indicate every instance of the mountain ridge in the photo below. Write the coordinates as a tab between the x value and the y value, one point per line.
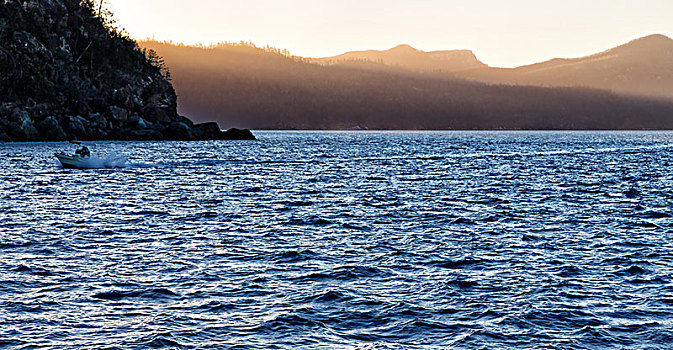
406	56
647	42
641	67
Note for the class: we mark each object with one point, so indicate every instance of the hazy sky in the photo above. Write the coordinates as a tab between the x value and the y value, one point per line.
500	32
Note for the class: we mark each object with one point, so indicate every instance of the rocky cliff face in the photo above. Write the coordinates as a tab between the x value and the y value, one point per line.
65	73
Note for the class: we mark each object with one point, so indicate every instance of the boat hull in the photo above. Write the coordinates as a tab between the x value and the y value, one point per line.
73	162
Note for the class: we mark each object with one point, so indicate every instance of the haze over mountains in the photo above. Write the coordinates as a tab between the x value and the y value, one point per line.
628	87
642	67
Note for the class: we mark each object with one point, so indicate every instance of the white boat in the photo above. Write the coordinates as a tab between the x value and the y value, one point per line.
72	161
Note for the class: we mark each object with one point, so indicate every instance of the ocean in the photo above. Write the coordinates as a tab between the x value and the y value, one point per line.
342	240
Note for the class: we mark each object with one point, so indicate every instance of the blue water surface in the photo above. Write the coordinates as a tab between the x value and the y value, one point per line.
362	240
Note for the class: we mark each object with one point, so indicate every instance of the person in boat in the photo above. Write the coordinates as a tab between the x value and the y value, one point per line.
83	152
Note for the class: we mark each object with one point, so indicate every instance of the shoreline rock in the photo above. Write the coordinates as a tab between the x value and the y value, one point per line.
39	124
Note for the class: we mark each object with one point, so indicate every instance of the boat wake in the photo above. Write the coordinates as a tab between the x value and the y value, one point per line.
113	160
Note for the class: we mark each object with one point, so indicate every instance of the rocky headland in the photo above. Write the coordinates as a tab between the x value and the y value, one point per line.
67	74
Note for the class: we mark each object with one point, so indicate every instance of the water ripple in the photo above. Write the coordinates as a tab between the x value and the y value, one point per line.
414	240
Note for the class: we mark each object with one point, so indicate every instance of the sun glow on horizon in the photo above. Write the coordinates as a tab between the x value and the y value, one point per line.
500	34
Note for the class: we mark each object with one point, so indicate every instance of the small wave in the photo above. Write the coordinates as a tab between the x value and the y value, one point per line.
354	272
463	284
215	306
586	151
632	270
344	273
330	296
252	189
457	264
150	212
313	221
463	221
354	227
37	271
294	256
631	193
287	322
653	214
297	203
161	341
569	271
115	295
16	245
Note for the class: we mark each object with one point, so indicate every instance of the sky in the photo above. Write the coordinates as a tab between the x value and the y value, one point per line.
501	33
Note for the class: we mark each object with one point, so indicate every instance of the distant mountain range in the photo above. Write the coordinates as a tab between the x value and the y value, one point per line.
642	67
628	87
